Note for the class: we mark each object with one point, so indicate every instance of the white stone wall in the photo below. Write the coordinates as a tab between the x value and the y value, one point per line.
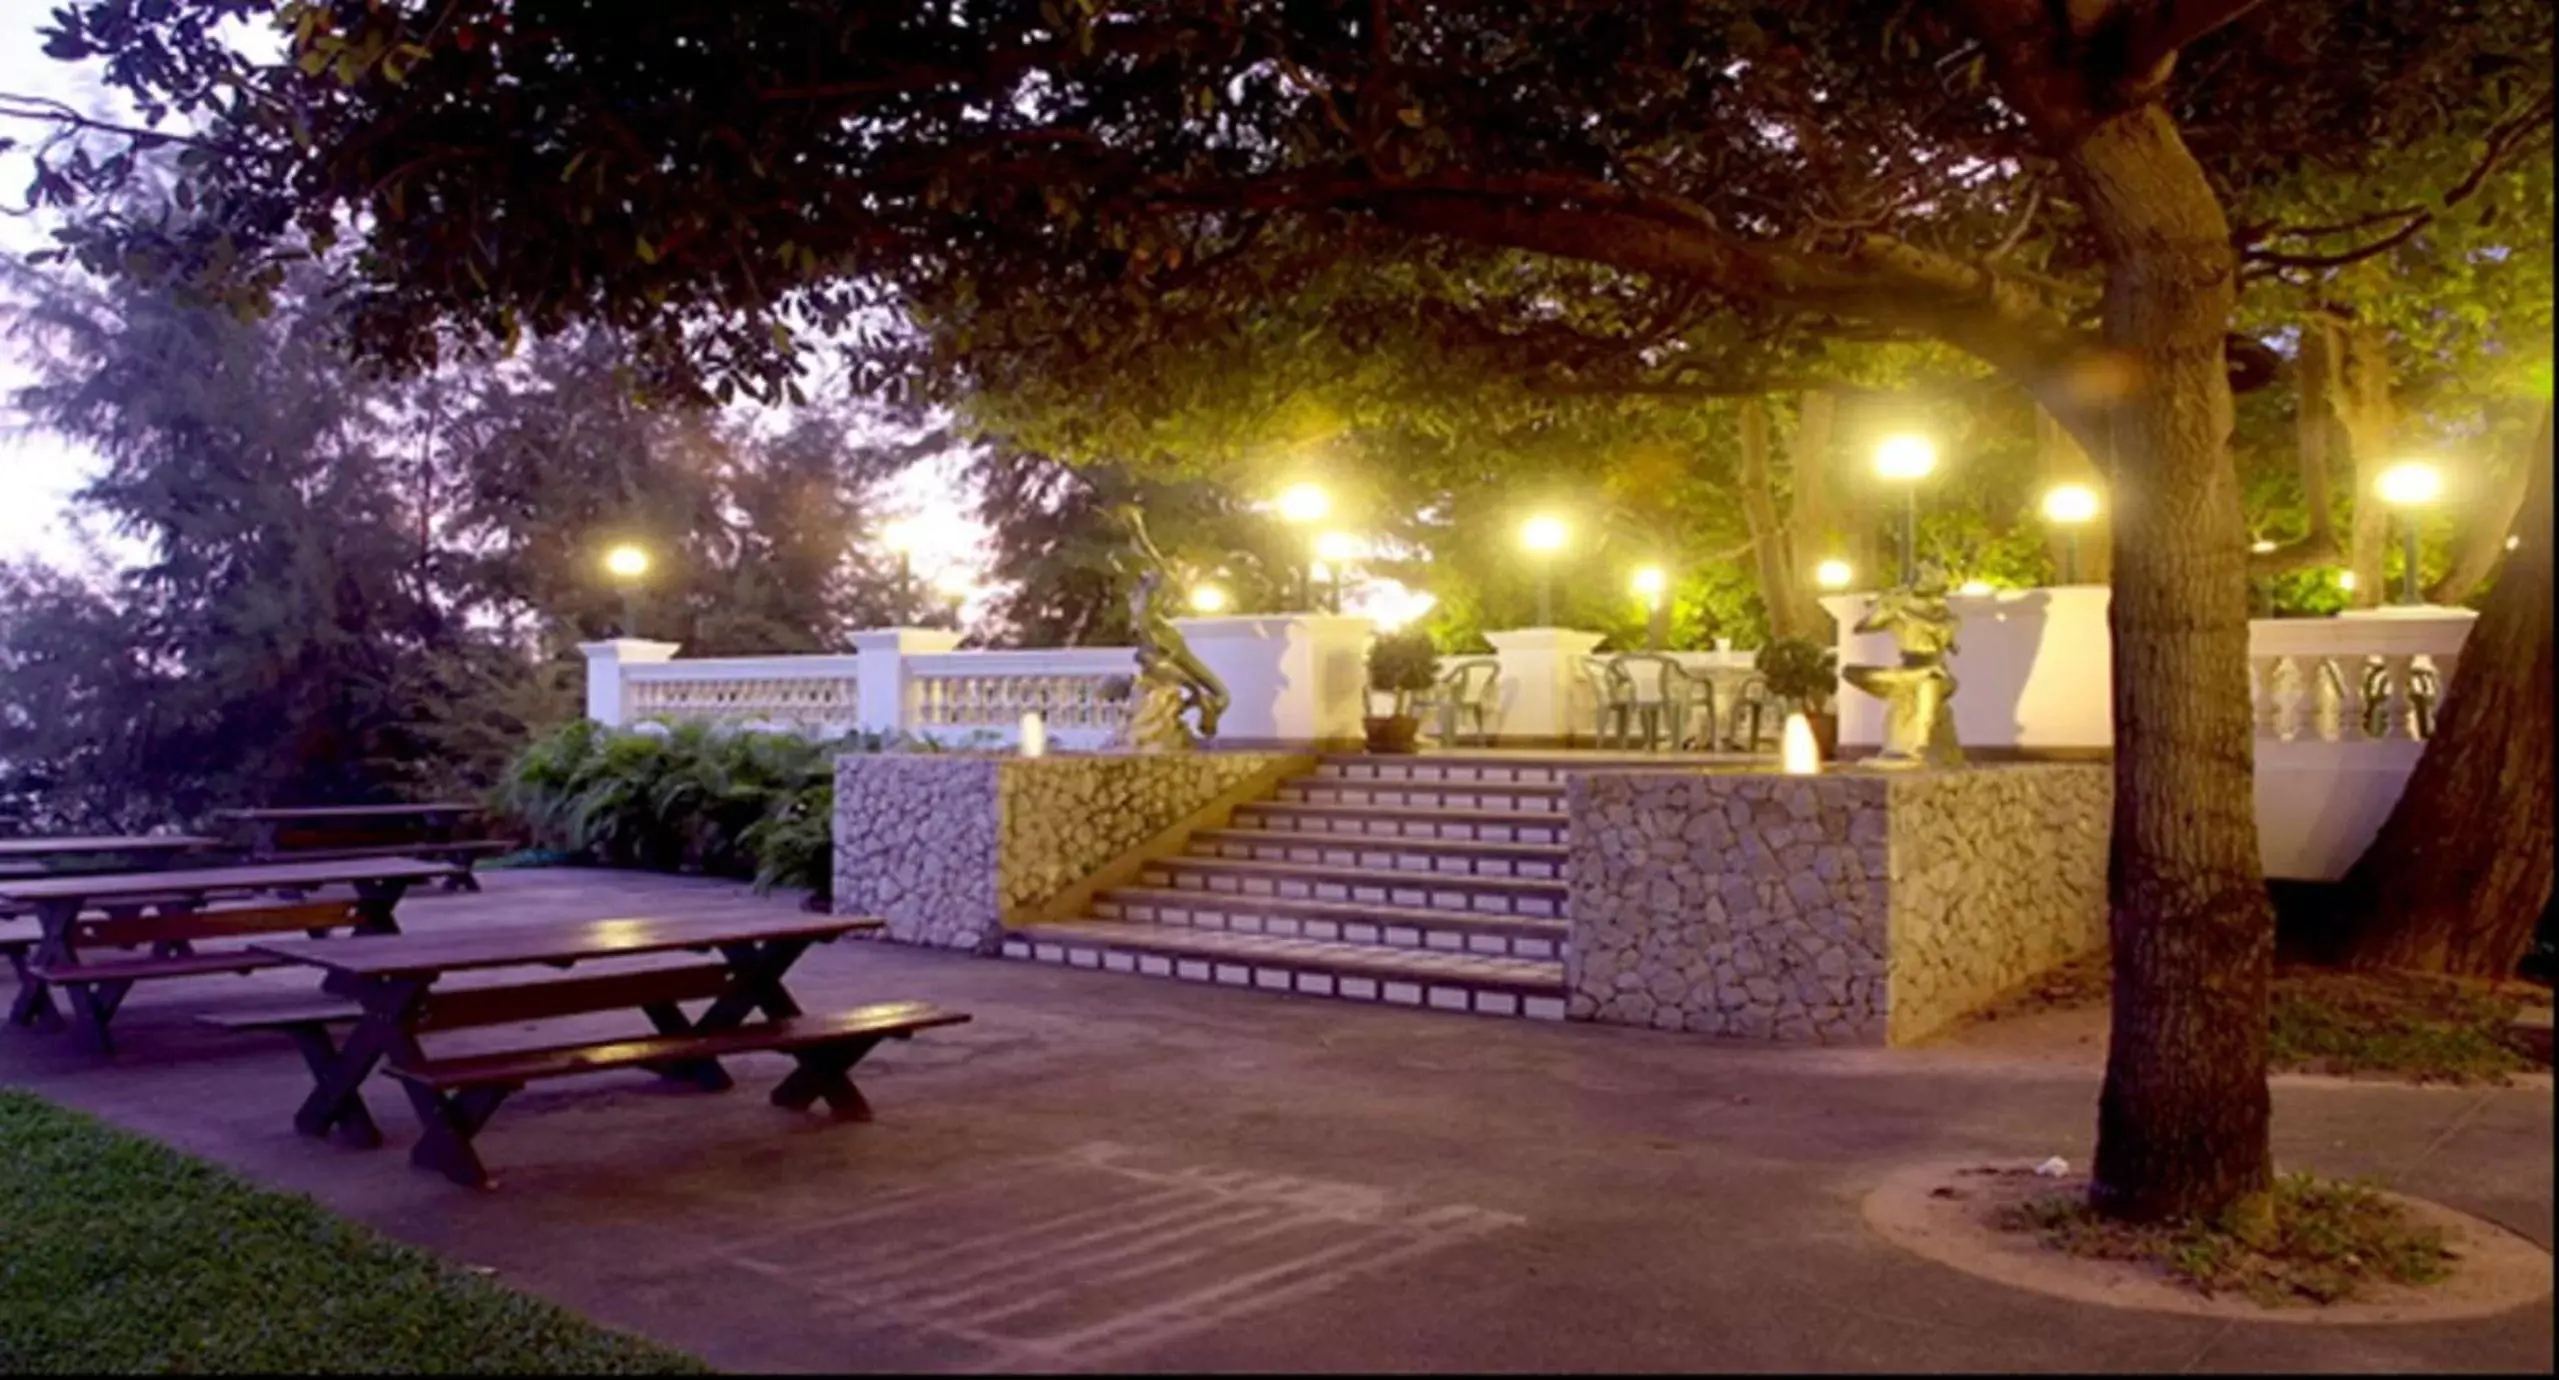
944	845
1847	908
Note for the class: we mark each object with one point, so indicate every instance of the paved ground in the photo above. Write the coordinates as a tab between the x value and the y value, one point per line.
1111	1172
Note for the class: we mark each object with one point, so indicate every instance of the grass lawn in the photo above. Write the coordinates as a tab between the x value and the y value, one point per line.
118	1254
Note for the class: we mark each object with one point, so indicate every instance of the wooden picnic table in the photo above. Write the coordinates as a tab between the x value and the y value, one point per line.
178	897
83	845
427	830
392	982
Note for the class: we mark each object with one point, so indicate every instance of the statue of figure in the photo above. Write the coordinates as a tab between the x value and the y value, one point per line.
1919	721
1170	678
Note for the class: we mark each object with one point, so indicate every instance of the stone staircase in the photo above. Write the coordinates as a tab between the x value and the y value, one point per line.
1435	880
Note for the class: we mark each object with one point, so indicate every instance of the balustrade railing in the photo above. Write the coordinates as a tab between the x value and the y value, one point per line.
1083	691
2351	680
820	694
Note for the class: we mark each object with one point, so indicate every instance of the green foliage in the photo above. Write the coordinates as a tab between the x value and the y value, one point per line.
2308	1240
1402	664
2428	1029
691	797
1800	671
126	1257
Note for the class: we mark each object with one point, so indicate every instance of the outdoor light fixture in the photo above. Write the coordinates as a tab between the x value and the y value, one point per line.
1974	587
2070	506
2409	486
1648	584
1905	460
1034	741
1833	574
1335	550
2346	581
626	564
2261	546
1300	504
1208	599
1544	535
1799	752
2513	542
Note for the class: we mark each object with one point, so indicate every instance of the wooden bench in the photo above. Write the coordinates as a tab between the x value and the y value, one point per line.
98	986
462	853
455	1097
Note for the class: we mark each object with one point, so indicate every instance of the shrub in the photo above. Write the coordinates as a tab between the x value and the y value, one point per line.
692	797
1403	664
1800	671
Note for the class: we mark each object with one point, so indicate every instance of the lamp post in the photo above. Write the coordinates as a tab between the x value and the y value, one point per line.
903	535
1905	460
2409	486
1648	584
1544	535
1300	505
955	586
2070	506
626	564
1335	550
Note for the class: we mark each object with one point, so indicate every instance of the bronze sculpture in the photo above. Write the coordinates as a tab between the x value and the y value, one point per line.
1171	679
1919	720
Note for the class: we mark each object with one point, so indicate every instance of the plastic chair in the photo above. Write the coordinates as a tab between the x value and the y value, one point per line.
1615	697
1469	691
1767	717
1664	693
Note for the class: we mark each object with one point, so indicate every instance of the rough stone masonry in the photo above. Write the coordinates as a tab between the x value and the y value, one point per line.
1846	908
944	845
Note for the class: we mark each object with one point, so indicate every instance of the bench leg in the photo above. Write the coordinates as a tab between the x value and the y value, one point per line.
821	1074
705	1074
446	1124
755	983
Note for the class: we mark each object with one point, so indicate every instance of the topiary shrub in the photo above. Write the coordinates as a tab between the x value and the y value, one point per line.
1403	664
1801	672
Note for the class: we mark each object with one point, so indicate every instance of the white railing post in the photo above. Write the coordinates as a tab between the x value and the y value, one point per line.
1542	681
887	691
605	702
1292	679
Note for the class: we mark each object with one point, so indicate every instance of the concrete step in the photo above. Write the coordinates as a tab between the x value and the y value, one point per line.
1353	972
1500	936
1402	821
1537	897
1511	768
1438	857
1316	788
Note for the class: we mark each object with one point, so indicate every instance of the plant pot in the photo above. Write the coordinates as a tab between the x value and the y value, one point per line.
1393	732
1826	733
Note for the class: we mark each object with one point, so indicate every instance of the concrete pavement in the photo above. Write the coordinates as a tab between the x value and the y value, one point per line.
1109	1172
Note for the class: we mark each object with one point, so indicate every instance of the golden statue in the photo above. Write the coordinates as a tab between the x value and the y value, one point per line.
1919	721
1171	679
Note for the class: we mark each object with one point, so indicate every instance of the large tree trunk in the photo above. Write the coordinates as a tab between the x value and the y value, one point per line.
2182	1121
1810	537
2488	520
1777	584
2460	872
2318	439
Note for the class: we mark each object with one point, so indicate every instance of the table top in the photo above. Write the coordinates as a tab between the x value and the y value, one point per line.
396	955
104	843
247	878
297	812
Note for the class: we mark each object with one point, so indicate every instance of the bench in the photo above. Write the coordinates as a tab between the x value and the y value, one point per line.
455	1097
460	852
98	987
654	991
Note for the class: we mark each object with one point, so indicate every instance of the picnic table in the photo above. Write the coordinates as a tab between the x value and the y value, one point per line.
427	830
30	857
392	983
178	901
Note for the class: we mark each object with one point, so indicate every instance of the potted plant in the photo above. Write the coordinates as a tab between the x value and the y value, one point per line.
1803	675
1401	665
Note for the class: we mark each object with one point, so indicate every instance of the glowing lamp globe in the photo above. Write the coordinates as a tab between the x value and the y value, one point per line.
1304	503
1833	574
1905	458
1543	533
2409	483
626	562
2070	504
1208	599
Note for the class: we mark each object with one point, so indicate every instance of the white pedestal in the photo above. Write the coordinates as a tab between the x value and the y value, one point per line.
1292	679
1541	669
2034	668
604	663
882	683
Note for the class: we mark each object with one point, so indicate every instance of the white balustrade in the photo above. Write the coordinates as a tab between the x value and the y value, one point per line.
2349	680
814	694
1082	694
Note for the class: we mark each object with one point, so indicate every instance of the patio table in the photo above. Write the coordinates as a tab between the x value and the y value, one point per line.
431	830
389	978
60	901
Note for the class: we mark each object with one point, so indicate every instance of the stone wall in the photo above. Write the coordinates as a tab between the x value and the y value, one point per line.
945	845
1847	908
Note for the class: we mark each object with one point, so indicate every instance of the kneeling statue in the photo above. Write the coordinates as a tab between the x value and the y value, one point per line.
1919	721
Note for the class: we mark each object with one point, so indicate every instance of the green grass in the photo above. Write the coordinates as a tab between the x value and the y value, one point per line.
2433	1030
118	1254
2309	1240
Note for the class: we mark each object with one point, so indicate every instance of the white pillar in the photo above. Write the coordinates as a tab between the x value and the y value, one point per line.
604	662
1541	671
1295	679
2034	668
882	684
